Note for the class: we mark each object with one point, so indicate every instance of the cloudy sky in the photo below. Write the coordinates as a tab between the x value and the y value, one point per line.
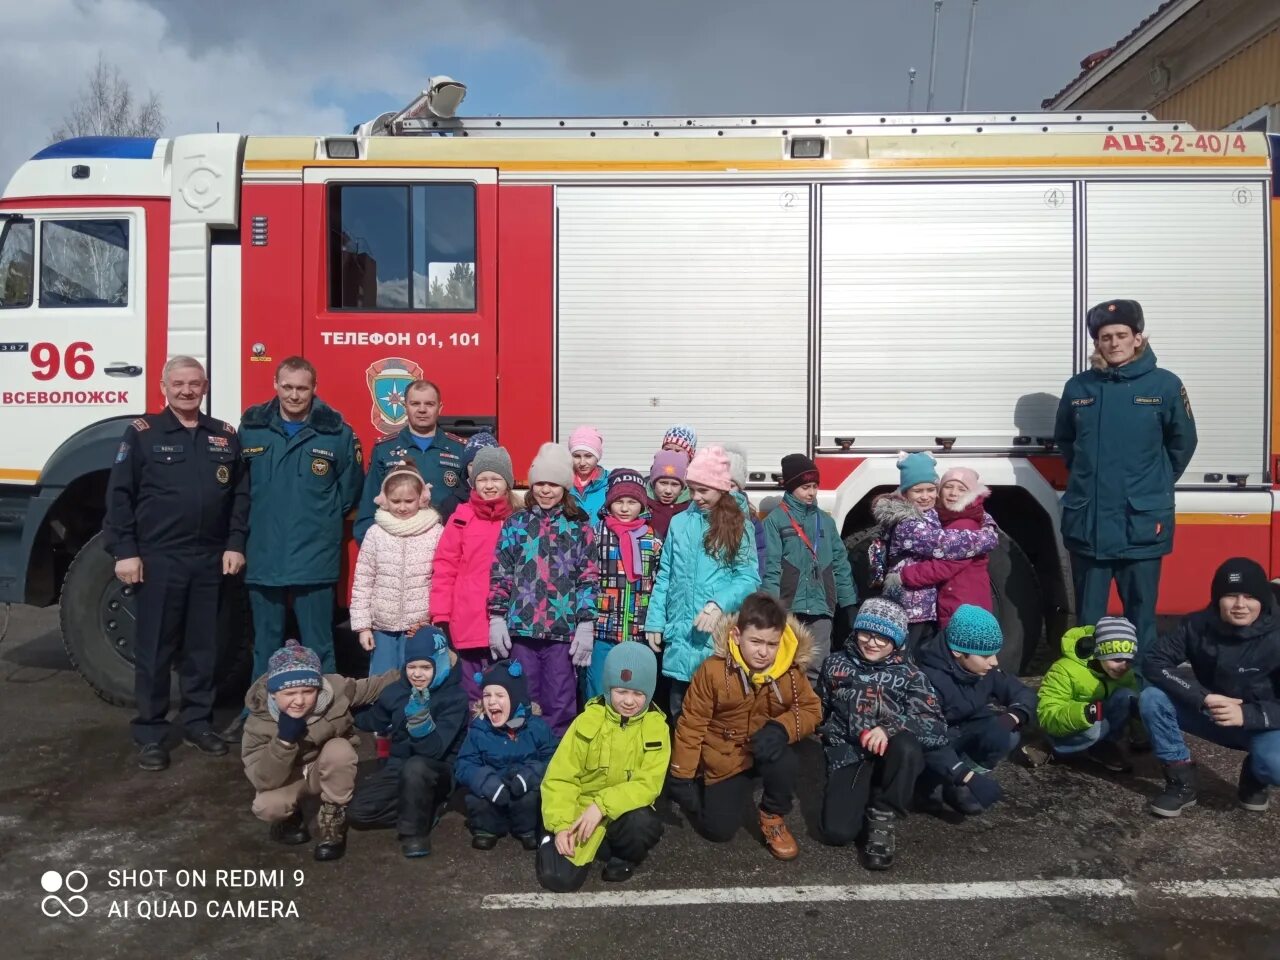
313	66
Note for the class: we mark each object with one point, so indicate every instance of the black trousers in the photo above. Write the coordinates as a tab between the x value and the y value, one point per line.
886	783
518	817
919	634
177	619
404	795
628	838
723	803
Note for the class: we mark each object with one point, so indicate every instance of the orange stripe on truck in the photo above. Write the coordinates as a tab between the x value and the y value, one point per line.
27	476
1225	519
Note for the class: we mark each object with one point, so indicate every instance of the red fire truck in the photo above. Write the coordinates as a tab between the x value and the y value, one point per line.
847	286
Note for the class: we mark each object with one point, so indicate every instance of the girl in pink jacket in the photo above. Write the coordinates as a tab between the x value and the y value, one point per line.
391	592
460	589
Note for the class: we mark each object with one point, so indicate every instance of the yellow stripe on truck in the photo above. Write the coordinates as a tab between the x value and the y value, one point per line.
1225	519
25	476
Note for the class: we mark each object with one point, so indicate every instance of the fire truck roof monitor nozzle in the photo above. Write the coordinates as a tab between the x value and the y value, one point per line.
443	96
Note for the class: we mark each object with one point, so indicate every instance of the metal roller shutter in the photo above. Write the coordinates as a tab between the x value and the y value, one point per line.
684	305
947	311
1194	256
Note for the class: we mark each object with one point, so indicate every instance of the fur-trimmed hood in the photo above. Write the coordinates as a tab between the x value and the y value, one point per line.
323	418
804	640
890	509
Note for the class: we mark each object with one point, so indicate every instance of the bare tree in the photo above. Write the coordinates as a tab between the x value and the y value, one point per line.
106	107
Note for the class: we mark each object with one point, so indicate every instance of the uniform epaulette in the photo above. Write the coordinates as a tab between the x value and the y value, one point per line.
229	428
455	438
142	423
386	438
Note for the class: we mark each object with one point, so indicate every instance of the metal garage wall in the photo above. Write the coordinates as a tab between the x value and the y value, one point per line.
684	305
947	311
1194	256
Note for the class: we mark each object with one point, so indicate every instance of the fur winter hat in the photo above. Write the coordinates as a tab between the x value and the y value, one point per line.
916	468
882	617
509	674
494	460
588	440
710	467
974	630
553	464
293	665
632	665
797	470
669	465
625	482
1109	312
682	436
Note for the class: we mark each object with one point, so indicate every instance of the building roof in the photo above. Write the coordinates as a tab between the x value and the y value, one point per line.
1095	60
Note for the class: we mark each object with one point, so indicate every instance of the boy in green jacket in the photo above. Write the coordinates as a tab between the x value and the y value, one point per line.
808	566
1090	695
600	786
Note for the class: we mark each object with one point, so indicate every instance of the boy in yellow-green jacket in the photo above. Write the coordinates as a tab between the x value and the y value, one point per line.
1090	695
599	789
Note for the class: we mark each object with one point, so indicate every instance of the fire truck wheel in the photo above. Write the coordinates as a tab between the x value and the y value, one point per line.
98	613
857	544
1017	603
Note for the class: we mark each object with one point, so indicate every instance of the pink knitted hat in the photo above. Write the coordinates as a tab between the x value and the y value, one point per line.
588	439
966	476
710	467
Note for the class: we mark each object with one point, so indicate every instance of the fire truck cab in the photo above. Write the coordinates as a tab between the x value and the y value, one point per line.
844	286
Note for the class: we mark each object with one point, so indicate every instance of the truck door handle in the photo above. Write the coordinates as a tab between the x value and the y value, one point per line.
122	370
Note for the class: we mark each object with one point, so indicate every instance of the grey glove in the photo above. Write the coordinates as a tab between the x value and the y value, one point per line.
892	588
499	638
583	642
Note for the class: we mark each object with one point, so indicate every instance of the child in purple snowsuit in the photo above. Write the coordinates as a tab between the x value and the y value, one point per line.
542	591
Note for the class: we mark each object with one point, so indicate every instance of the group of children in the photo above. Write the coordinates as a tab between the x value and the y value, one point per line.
553	618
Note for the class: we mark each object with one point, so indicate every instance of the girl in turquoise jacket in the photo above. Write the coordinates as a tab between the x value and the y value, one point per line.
708	568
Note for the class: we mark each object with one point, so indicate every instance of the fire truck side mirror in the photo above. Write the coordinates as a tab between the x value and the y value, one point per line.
946	443
845	443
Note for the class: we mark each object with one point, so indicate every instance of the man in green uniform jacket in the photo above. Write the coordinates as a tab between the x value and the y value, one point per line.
436	454
1126	431
305	473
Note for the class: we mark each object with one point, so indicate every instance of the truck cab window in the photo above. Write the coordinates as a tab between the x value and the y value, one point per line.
402	247
17	262
84	263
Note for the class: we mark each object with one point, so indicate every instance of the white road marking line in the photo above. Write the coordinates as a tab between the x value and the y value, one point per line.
1263	888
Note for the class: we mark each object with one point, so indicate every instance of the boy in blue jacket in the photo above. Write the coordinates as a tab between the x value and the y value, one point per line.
423	713
985	708
503	759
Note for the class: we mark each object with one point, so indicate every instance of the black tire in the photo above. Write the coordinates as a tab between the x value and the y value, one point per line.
98	617
1017	603
857	544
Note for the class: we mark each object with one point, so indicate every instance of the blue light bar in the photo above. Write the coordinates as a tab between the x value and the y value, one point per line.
88	148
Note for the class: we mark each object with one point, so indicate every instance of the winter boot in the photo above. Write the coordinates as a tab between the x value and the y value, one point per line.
291	831
414	847
1109	755
528	840
777	837
480	840
961	799
878	848
1252	793
617	870
1179	790
332	827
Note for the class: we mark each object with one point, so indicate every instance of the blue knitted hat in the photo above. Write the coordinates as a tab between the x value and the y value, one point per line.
475	443
916	468
883	618
293	665
632	665
429	644
509	674
974	630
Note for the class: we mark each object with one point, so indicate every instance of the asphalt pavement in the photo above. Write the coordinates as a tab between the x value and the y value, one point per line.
1070	865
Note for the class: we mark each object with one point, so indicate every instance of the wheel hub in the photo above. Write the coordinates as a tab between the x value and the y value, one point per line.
118	613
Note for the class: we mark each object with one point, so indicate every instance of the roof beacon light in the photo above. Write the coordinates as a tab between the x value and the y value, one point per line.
808	148
441	98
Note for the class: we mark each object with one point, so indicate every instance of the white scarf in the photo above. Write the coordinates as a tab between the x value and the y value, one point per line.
420	522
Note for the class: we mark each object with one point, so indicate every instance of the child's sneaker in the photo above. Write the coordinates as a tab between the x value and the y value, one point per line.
1252	793
484	841
617	870
879	845
777	837
1109	755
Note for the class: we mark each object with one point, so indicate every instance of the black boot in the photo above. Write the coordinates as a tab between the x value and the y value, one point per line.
961	799
1179	790
879	845
1252	793
528	840
617	870
414	847
290	831
332	826
480	840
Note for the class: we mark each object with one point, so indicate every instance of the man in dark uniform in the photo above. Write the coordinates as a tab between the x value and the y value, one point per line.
1126	431
305	473
437	455
177	517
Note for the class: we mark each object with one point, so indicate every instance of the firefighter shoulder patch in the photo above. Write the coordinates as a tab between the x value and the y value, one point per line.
1186	404
142	423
